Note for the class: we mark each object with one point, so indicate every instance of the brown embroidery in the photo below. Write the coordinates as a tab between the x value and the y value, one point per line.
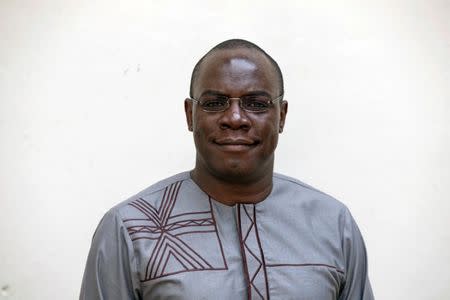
306	265
171	253
252	254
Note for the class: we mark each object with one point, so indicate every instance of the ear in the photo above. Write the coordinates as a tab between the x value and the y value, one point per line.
283	113
188	111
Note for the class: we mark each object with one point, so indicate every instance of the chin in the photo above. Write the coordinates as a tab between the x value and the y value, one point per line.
236	170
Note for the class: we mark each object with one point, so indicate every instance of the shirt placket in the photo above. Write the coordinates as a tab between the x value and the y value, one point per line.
252	253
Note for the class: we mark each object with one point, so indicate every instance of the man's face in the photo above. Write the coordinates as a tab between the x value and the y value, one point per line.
236	145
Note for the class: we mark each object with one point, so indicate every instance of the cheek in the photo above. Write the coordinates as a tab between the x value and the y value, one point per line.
272	141
270	136
199	137
201	131
199	125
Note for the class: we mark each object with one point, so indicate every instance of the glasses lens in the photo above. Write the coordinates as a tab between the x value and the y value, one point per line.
256	103
215	103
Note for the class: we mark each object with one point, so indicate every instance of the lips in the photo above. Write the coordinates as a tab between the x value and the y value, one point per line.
233	141
235	144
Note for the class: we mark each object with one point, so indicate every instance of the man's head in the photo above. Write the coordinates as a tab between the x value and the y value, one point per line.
234	44
235	144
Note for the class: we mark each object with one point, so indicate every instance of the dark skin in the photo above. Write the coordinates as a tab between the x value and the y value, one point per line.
235	148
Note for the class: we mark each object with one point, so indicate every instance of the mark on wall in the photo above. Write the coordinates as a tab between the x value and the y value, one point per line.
5	291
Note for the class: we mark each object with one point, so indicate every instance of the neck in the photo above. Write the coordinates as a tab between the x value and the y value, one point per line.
231	192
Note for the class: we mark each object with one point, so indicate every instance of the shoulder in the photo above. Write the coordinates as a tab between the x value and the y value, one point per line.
300	193
150	195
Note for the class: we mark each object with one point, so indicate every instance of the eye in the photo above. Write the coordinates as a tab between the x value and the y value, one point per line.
214	103
256	103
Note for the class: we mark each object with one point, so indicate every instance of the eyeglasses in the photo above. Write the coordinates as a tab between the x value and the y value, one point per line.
250	103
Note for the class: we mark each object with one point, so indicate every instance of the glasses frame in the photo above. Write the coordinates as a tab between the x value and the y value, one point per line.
269	102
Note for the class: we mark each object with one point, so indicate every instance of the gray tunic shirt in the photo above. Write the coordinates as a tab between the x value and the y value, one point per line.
173	241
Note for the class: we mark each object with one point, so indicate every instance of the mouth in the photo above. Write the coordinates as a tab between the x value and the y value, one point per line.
235	144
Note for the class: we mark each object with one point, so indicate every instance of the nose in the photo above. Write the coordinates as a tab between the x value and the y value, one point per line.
234	117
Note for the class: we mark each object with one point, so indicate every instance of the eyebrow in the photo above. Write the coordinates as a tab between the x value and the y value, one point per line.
212	93
219	93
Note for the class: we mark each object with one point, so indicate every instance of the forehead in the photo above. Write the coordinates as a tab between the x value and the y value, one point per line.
236	71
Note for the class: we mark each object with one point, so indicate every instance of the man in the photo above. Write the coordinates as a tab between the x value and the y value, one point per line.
230	228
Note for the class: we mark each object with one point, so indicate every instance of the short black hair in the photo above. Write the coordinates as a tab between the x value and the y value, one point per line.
235	44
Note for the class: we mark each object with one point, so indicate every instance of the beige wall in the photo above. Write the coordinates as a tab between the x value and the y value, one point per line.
91	112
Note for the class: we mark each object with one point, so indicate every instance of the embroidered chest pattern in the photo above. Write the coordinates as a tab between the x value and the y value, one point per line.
178	239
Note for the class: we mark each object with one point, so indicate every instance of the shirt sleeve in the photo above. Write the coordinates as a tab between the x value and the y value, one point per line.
111	270
357	285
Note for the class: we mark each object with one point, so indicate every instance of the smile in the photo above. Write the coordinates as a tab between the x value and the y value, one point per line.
240	144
